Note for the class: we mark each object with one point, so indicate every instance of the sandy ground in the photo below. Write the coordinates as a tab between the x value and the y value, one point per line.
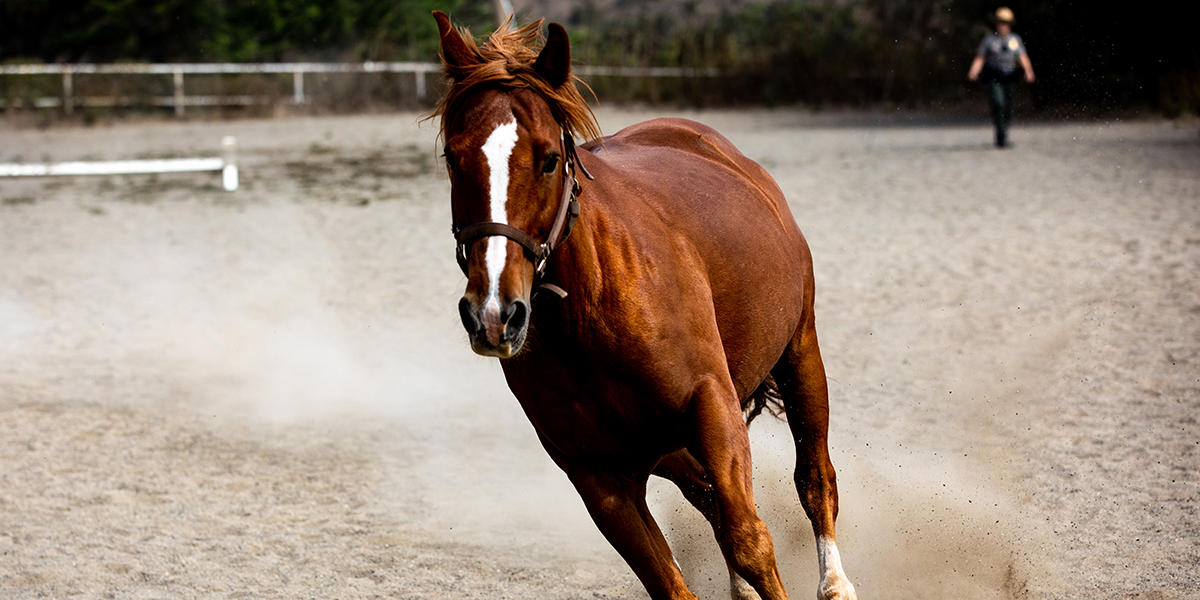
267	394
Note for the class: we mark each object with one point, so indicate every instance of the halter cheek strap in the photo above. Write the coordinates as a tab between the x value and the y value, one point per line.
537	252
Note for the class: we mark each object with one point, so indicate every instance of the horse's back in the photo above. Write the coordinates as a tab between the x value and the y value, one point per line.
679	134
694	167
703	185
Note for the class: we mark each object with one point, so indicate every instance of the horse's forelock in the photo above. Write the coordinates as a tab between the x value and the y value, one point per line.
506	61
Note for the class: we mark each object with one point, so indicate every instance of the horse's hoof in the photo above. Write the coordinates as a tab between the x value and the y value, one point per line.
740	590
836	589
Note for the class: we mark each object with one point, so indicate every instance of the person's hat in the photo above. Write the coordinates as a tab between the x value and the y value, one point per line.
1003	15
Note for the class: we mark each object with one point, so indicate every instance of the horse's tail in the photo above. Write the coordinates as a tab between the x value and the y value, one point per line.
765	397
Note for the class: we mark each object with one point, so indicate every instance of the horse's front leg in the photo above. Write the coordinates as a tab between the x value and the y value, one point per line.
618	506
682	469
722	446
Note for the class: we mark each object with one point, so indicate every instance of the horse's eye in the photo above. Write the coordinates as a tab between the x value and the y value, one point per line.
450	163
550	165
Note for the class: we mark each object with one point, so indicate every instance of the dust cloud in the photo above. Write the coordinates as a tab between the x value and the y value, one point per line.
280	331
912	523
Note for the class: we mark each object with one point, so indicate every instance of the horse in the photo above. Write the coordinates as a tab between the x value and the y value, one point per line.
646	294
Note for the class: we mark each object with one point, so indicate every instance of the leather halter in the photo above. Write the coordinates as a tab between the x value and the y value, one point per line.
537	252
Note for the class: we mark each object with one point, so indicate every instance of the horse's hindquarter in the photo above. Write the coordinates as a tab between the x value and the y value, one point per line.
686	264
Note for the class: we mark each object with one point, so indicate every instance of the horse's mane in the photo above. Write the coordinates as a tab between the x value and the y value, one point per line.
506	61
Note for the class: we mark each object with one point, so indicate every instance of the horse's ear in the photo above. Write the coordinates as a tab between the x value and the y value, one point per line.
454	49
554	62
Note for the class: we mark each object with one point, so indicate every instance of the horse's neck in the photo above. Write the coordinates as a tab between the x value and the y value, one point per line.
577	268
602	247
581	264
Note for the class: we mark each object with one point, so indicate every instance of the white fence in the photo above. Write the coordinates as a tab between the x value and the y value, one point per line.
180	99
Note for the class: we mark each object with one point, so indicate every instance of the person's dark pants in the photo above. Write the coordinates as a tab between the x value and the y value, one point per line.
1000	100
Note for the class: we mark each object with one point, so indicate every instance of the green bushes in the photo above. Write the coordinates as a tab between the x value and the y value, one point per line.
226	30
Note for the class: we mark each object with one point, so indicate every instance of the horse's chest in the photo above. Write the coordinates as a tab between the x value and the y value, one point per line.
590	415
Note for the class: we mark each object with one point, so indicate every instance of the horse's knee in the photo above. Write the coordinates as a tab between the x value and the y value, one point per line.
749	547
606	500
607	505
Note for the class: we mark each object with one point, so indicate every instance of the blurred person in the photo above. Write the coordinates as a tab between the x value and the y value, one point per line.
996	62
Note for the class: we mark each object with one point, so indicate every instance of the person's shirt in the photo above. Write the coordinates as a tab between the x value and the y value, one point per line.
1000	52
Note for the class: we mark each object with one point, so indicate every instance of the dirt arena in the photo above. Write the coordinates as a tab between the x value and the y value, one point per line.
267	393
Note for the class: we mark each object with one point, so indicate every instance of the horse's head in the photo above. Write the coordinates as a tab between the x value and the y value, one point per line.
506	135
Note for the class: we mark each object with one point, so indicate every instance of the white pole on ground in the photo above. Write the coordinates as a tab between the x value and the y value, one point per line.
112	167
226	164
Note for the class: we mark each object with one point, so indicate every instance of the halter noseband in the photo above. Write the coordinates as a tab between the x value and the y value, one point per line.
537	252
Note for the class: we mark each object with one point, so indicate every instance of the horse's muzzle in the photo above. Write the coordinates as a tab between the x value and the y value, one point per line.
495	329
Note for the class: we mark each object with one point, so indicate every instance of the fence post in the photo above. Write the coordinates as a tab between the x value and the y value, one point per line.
297	87
178	75
419	74
229	172
68	88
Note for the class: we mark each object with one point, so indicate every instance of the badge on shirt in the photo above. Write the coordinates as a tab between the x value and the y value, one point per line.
1013	44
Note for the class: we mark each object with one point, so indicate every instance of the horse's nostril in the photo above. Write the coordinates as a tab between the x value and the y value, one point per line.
515	318
467	314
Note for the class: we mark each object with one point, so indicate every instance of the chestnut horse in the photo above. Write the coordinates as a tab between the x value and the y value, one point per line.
644	293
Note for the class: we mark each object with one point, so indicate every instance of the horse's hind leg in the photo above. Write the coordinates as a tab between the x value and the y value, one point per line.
682	469
722	446
800	375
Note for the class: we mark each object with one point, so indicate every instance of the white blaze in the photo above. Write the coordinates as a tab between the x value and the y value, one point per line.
497	150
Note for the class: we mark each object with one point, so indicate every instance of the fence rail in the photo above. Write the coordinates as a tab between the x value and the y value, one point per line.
179	100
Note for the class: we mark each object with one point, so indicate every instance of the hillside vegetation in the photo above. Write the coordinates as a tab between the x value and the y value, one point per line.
1089	56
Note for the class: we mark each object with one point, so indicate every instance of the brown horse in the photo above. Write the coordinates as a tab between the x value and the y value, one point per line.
644	294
